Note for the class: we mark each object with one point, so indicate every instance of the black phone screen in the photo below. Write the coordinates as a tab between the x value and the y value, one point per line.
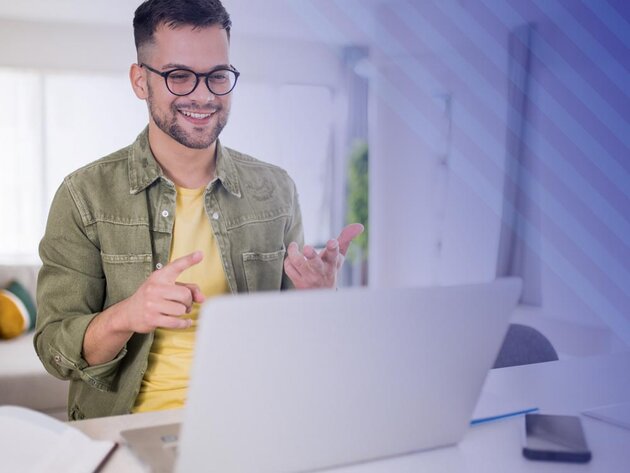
555	438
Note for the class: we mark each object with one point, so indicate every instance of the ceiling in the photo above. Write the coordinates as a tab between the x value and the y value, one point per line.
268	18
112	12
335	22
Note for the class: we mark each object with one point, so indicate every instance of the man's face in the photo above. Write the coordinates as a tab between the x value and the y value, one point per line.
199	50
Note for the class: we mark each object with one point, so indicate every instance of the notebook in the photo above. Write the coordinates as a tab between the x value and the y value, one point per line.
34	442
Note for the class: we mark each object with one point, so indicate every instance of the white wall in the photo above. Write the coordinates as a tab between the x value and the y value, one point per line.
66	46
436	164
579	141
107	48
439	223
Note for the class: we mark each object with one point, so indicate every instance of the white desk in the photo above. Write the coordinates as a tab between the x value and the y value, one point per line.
561	387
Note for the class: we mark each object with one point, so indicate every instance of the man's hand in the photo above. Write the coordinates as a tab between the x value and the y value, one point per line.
308	269
161	301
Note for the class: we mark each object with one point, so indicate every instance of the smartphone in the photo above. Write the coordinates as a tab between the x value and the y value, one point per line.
555	438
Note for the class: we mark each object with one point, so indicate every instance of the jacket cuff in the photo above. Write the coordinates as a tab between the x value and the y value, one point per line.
100	376
71	364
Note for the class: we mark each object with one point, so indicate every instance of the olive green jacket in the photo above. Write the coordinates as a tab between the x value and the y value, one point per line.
111	224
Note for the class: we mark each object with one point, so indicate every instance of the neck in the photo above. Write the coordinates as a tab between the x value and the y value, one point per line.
186	167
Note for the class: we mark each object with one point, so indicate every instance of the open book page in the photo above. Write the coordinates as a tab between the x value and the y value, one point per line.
33	442
617	414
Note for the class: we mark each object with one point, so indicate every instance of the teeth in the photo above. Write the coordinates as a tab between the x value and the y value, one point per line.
195	115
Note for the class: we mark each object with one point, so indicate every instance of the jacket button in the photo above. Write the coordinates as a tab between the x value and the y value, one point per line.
57	359
158	266
164	213
215	215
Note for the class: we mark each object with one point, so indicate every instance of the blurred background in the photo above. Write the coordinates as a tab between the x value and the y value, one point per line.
474	138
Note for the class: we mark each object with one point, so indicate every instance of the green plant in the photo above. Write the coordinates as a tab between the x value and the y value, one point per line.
358	199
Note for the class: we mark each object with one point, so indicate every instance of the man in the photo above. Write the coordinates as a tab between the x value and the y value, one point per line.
136	240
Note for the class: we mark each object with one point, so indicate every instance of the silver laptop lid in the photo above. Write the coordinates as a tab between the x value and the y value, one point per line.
304	380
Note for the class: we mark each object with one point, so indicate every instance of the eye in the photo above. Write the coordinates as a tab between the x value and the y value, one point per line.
180	76
219	76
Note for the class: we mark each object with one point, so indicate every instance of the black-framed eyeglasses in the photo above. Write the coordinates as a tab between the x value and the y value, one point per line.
220	81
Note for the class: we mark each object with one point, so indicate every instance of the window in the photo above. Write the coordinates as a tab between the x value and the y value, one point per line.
21	193
87	117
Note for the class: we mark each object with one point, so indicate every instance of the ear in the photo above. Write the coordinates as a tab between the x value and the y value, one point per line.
137	76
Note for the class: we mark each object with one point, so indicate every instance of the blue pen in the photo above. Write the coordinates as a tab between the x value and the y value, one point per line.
483	420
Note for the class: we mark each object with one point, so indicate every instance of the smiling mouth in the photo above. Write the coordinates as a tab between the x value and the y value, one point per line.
197	116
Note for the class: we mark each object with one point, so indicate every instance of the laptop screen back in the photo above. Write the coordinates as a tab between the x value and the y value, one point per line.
311	379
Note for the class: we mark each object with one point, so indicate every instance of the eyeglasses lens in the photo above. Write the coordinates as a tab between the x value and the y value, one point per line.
182	82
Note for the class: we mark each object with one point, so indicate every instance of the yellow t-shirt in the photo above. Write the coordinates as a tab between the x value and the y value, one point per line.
165	383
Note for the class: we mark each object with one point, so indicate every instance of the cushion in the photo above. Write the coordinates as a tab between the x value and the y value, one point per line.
17	311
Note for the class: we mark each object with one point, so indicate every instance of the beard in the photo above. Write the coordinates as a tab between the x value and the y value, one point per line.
203	138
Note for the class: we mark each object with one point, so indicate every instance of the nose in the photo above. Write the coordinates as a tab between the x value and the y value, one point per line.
202	93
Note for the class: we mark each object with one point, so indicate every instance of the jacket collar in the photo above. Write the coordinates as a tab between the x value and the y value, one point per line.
226	170
144	170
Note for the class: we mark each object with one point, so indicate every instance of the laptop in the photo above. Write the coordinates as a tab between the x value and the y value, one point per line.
308	380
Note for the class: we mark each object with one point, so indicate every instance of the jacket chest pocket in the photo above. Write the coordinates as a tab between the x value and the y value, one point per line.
124	274
263	271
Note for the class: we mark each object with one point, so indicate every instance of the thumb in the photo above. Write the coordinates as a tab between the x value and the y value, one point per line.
197	295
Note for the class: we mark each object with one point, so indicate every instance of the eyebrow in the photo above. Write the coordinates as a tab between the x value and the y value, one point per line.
171	66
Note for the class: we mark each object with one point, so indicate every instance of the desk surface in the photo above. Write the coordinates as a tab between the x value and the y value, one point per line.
560	387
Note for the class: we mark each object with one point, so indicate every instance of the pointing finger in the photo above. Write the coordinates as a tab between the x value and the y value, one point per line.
178	266
349	233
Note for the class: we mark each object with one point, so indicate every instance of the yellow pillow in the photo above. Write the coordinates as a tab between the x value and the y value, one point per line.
17	311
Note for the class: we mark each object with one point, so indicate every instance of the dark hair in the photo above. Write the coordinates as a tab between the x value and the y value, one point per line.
173	13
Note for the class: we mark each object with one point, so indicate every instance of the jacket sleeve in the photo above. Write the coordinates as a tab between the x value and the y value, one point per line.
294	232
70	293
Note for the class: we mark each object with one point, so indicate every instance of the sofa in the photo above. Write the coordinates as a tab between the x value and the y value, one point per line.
23	379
